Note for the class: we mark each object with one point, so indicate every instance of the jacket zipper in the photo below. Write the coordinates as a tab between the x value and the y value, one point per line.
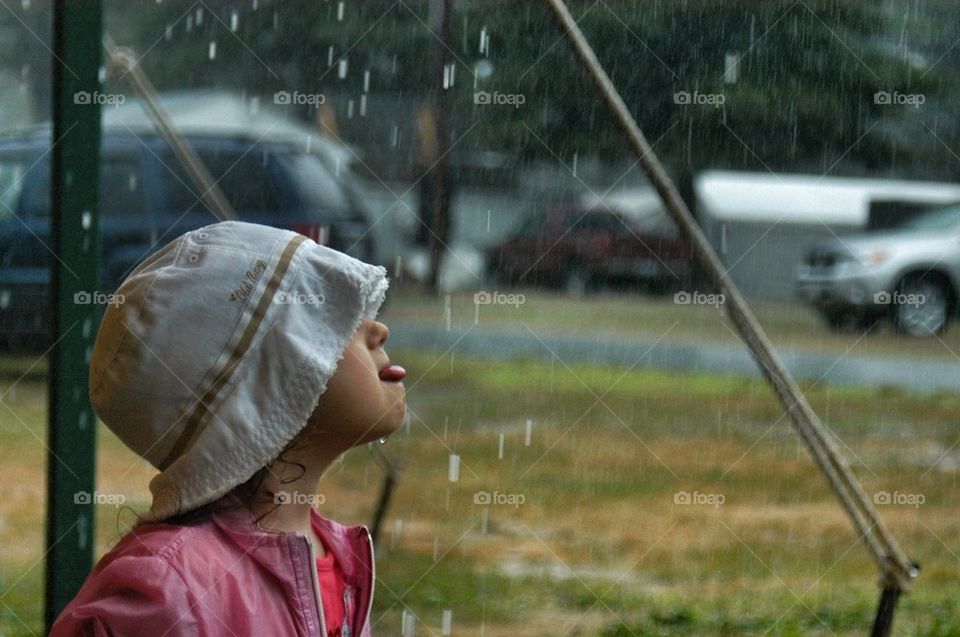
373	579
316	587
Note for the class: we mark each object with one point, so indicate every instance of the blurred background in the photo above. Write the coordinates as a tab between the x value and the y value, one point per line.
590	449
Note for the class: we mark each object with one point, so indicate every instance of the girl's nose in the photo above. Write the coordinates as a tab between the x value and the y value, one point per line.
380	332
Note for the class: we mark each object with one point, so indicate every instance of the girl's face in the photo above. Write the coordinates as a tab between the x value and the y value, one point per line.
357	406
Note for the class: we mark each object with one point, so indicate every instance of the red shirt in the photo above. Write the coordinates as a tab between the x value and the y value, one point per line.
331	593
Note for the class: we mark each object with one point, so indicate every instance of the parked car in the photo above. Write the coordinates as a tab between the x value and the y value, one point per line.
579	248
910	274
147	199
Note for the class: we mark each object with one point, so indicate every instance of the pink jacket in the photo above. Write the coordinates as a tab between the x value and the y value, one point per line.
221	577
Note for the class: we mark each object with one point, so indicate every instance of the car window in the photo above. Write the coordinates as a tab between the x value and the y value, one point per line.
121	193
594	221
11	185
938	219
317	187
35	189
244	178
530	225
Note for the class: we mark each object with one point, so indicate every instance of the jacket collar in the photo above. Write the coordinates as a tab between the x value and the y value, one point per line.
350	545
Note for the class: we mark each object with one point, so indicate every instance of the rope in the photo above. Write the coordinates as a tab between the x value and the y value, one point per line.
896	567
122	63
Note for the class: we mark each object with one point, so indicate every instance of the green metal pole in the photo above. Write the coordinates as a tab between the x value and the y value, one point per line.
75	240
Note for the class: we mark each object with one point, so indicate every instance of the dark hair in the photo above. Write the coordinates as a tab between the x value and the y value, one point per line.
244	495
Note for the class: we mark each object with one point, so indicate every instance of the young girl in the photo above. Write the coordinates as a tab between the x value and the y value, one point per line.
240	361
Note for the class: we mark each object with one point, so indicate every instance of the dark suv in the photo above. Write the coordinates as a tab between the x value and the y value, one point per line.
147	199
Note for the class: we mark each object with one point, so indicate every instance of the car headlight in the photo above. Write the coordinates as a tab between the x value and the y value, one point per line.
873	258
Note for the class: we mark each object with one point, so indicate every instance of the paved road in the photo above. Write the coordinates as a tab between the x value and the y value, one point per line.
919	375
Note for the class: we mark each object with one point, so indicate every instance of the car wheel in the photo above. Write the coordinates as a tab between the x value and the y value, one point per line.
495	275
922	305
850	321
839	321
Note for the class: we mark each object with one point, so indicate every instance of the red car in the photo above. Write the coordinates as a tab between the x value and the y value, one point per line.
580	248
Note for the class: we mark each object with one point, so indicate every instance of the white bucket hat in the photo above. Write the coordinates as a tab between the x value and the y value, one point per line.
217	349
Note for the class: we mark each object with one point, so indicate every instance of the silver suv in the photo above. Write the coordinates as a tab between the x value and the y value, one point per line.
910	273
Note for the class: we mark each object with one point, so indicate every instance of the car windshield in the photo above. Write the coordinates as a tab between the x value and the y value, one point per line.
937	219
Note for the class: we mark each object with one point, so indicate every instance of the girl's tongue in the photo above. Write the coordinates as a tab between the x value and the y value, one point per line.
392	373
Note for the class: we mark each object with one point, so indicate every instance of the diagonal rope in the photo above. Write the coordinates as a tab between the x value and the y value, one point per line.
898	570
211	194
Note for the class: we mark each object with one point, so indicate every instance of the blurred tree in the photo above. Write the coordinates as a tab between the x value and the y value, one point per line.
789	85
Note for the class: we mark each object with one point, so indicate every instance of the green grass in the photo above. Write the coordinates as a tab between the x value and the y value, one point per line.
598	546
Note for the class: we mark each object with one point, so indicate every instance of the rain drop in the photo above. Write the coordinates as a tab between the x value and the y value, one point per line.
82	530
408	624
212	50
453	472
395	537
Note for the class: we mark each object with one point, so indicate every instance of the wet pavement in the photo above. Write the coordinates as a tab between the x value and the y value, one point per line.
917	375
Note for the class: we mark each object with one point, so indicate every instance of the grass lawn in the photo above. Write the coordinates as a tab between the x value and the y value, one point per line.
587	536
